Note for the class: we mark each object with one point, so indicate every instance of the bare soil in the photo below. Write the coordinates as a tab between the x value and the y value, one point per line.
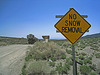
12	59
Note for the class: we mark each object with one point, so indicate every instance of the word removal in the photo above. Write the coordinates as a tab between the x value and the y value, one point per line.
72	25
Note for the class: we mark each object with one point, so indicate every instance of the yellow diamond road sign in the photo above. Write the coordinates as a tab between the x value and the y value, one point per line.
72	25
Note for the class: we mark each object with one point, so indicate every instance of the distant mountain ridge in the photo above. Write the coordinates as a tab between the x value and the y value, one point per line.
93	35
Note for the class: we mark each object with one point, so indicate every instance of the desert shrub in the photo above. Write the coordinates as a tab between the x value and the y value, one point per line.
76	58
63	69
90	62
77	54
53	59
67	66
71	57
59	68
81	61
81	49
23	70
83	53
66	44
36	67
53	72
82	45
63	56
46	51
97	55
93	73
68	51
70	46
52	64
90	58
93	67
87	61
81	57
94	47
60	43
12	40
69	61
3	43
28	57
84	69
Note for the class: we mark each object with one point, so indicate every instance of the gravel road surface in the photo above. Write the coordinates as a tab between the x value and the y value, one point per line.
12	59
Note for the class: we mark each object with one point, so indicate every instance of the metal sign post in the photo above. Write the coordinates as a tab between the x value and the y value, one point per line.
74	62
72	25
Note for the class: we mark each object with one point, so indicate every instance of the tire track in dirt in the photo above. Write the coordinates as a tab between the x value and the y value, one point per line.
12	59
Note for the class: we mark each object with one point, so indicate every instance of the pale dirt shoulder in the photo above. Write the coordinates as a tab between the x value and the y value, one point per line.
12	59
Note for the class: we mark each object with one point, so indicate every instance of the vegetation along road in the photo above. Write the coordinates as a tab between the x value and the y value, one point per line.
12	59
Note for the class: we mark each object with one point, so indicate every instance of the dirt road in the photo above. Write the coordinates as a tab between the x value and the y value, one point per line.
12	59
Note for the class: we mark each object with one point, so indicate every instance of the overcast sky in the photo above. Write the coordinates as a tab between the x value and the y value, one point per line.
21	17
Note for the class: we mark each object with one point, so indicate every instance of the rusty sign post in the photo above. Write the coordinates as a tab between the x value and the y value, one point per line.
72	25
